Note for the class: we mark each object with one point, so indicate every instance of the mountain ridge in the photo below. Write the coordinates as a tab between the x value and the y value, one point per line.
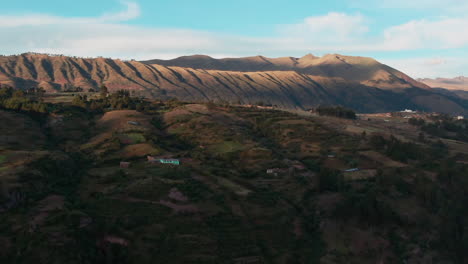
457	83
361	83
364	70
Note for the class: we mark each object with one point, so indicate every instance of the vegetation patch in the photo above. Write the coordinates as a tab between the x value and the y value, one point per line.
3	158
226	147
138	150
132	138
234	187
336	111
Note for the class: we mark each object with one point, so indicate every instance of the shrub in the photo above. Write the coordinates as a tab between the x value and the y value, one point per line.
336	111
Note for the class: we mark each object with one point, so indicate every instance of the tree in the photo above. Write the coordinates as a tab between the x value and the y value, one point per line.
336	111
104	91
18	93
421	137
6	92
80	101
139	107
40	92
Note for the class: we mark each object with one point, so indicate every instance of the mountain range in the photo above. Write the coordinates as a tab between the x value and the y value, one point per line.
457	83
360	83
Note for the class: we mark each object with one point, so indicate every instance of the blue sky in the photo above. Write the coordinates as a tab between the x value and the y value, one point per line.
424	38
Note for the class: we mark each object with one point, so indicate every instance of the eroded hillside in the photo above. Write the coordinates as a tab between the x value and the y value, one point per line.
359	83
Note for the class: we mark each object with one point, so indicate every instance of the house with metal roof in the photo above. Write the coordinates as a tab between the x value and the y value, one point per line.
170	161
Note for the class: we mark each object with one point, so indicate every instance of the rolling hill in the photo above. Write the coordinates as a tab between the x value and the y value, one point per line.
295	83
254	185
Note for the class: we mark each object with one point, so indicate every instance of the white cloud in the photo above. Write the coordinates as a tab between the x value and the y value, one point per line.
132	11
10	21
343	32
331	27
438	34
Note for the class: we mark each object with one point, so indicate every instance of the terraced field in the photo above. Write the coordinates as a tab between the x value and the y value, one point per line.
254	186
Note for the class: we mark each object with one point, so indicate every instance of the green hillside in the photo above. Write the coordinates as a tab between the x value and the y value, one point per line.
253	185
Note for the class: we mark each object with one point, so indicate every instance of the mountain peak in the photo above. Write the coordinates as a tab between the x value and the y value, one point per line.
195	57
309	56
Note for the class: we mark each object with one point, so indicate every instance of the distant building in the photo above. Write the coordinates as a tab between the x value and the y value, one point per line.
276	171
124	165
352	170
460	117
408	111
133	123
271	171
170	161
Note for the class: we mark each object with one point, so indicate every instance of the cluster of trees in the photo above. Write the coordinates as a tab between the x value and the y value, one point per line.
396	149
31	101
366	205
73	89
444	127
406	151
39	91
16	100
118	100
337	111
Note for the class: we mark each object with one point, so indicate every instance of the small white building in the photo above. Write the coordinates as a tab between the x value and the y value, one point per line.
133	123
460	117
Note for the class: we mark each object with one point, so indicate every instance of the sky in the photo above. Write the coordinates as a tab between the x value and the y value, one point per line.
423	38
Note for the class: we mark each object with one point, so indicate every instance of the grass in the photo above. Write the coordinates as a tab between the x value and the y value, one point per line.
136	137
227	147
3	158
236	188
59	99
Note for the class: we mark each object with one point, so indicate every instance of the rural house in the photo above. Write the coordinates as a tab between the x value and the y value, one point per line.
170	161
